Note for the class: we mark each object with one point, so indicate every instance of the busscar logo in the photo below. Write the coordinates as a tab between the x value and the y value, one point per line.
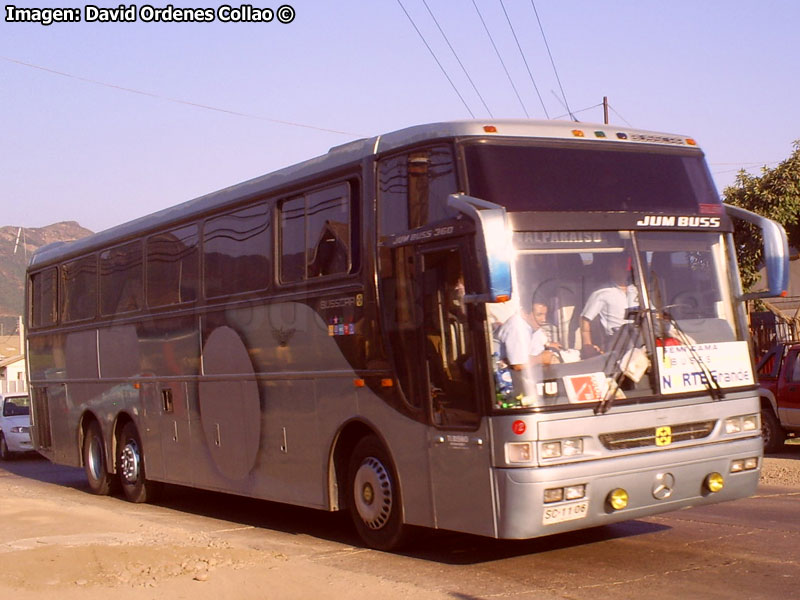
675	221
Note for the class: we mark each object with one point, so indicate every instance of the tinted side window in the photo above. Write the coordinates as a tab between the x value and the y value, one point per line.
173	267
121	279
318	231
293	241
413	188
328	231
79	284
43	310
236	251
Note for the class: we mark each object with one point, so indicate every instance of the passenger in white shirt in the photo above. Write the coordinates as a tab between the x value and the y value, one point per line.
523	340
610	303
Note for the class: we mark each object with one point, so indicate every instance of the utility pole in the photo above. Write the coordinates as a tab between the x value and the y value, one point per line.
605	110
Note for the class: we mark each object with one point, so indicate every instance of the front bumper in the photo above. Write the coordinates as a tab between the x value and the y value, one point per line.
520	492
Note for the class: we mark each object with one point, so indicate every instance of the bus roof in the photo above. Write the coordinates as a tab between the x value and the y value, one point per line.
350	153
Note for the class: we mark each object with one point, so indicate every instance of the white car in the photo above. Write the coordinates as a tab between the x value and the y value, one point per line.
15	425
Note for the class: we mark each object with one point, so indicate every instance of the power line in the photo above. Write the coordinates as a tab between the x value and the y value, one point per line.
514	33
491	39
175	100
620	116
457	58
572	114
424	41
552	62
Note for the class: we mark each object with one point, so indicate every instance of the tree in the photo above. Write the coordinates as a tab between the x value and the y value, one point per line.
774	194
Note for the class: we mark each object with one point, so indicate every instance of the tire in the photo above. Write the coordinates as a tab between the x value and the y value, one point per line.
771	431
101	482
5	453
130	467
373	496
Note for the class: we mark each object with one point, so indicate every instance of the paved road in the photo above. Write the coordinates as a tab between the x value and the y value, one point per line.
744	549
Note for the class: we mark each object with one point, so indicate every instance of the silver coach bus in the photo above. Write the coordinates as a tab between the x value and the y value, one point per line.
335	335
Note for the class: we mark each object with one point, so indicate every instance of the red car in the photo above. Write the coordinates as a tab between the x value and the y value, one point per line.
779	378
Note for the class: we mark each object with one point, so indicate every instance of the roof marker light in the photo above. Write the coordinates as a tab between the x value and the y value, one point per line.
622	136
691	142
600	134
578	133
490	129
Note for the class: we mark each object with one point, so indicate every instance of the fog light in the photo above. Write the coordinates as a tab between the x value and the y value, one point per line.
553	495
714	482
574	492
618	499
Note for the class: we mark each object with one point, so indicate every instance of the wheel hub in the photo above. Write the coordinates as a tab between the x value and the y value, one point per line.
129	462
373	493
95	458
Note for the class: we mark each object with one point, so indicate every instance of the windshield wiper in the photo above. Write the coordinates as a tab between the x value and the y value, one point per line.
712	385
661	312
630	334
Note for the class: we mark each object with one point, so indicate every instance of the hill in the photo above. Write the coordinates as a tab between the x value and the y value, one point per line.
16	247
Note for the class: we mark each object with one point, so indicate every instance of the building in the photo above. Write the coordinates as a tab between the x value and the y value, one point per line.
12	361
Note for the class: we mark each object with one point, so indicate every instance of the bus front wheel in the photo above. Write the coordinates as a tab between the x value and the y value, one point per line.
374	497
130	467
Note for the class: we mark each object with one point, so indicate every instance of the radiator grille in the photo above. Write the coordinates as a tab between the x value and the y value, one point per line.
642	438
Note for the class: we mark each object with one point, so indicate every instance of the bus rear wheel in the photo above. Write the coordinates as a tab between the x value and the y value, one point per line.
374	496
101	482
130	467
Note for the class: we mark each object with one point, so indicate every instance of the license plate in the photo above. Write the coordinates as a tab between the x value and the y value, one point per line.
565	512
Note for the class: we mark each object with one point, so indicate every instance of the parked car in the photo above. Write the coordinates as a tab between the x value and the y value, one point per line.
779	380
15	425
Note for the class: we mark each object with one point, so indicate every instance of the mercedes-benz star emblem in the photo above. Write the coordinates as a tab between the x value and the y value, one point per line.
663	486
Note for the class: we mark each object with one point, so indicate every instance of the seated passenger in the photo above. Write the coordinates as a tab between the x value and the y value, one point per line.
610	303
523	340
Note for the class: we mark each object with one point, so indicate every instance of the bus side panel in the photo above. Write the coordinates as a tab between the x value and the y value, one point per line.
407	442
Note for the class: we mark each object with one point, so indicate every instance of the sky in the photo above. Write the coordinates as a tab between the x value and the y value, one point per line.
104	122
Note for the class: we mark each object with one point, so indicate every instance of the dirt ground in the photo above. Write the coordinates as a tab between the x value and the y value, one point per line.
58	541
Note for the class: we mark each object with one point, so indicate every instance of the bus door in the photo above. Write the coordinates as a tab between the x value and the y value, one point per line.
459	448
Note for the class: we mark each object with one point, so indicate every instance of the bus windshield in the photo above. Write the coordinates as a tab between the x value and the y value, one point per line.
588	178
616	315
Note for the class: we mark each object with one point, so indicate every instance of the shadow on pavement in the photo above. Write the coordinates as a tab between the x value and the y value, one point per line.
430	545
791	449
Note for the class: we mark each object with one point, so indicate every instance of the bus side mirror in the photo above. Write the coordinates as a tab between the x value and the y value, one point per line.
493	246
776	252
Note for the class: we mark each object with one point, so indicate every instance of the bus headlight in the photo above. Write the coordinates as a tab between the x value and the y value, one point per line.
742	424
557	448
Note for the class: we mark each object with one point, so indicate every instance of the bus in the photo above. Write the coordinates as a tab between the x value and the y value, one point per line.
334	335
